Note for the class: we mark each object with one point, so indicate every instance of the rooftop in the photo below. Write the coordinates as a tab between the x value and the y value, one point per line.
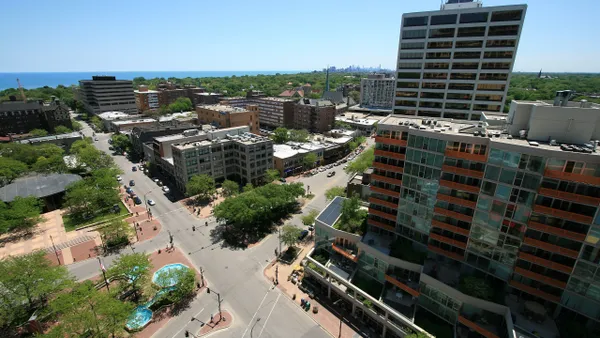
208	94
364	122
52	137
147	91
146	120
111	115
222	108
332	212
316	102
38	186
244	138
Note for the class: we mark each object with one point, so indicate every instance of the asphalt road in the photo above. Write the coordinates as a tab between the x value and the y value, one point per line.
259	310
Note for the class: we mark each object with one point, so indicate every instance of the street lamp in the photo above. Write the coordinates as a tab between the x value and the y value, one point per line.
219	302
339	315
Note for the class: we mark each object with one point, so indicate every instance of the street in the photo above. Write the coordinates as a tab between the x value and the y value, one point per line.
259	310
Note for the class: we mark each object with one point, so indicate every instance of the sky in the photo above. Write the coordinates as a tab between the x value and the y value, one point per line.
186	35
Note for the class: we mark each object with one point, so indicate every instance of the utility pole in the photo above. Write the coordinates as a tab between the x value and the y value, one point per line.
55	251
202	275
103	273
219	302
276	274
279	230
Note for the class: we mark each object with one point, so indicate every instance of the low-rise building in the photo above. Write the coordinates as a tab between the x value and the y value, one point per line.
222	116
144	135
127	125
62	140
206	98
108	117
146	99
288	159
170	92
365	126
314	115
273	112
18	117
359	185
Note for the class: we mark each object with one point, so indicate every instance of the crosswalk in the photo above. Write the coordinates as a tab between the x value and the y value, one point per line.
70	243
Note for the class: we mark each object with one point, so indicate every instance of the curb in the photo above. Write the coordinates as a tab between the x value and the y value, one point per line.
220	329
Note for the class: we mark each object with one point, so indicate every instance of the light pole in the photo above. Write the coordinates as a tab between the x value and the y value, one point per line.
219	302
55	251
339	315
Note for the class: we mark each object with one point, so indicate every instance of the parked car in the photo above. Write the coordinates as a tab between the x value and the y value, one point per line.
119	178
151	202
134	168
137	200
166	189
128	190
303	234
160	184
131	183
155	180
331	173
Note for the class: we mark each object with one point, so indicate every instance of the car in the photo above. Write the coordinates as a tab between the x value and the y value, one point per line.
151	202
137	200
331	173
282	180
156	180
131	193
109	141
95	139
128	190
166	189
134	168
119	178
303	234
160	184
311	227
131	183
346	166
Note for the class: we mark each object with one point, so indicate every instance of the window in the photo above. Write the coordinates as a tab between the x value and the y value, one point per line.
471	31
443	19
427	95
441	33
434	85
439	55
498	55
437	76
415	21
460	106
507	176
495	65
467	55
412	45
437	65
492	173
414	34
458	96
503	192
503	30
437	105
487	107
493	77
496	98
406	94
491	87
406	103
473	17
409	75
407	85
465	65
411	56
469	44
461	86
488	188
507	16
410	65
436	45
500	43
463	76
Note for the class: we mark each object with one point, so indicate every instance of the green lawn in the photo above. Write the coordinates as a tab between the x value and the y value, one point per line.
72	224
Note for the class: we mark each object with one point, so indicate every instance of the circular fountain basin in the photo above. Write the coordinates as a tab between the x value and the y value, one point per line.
140	317
164	283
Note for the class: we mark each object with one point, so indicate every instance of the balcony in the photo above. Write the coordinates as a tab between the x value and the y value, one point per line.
563	214
556	231
570	196
389	154
446	253
383	214
457	201
345	252
386	192
545	263
444	269
391	141
381	225
447	240
534	291
459	186
378	201
473	326
449	227
466	156
551	247
386	179
453	214
561	175
402	286
540	278
388	167
462	171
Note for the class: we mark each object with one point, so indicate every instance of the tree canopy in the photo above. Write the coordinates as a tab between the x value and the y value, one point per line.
230	188
95	193
362	162
38	132
11	169
332	192
309	160
181	104
310	218
23	213
135	268
62	130
90	157
352	218
356	142
116	232
121	141
201	185
271	175
289	235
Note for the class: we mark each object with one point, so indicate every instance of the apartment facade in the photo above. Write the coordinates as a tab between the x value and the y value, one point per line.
314	115
508	204
169	93
106	93
273	112
146	99
457	62
377	91
223	116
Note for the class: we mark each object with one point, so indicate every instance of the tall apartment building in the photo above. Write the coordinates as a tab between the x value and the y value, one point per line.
273	112
377	91
146	99
492	227
314	115
223	116
18	117
457	62
106	93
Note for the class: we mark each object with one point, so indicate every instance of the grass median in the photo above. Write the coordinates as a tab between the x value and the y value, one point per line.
72	223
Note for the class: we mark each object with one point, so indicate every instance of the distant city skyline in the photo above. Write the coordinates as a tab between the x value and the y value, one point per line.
237	35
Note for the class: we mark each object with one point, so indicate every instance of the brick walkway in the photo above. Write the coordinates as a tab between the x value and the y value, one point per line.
205	211
217	324
326	319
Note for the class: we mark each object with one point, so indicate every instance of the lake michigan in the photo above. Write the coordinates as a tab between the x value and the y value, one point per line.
36	80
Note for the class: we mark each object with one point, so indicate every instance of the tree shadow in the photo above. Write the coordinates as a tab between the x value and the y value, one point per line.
239	238
17	237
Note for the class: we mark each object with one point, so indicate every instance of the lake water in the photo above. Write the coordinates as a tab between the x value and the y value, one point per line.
36	80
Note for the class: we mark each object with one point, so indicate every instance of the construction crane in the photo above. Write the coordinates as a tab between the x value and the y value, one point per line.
22	91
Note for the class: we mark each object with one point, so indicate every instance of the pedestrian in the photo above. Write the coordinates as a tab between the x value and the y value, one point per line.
137	213
211	318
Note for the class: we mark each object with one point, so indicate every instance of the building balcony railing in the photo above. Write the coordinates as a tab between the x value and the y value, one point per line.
381	225
402	286
462	171
386	179
561	175
386	192
457	201
459	186
446	253
540	278
545	263
449	227
453	214
390	154
466	156
344	252
376	200
388	167
447	240
563	214
570	196
534	291
551	247
392	141
476	328
383	214
556	231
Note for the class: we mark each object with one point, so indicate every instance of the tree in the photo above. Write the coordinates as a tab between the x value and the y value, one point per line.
134	267
310	218
230	188
53	164
90	157
97	123
280	135
352	218
185	286
116	232
10	170
290	235
76	125
121	141
332	192
38	132
355	95
95	193
352	145
62	130
298	135
271	175
201	185
342	125
476	287
362	162
181	104
248	187
417	335
22	214
309	160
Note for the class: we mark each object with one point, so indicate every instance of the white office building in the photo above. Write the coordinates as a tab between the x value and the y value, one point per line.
377	91
106	93
456	62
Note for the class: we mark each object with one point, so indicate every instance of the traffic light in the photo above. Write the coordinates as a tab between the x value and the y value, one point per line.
187	333
207	290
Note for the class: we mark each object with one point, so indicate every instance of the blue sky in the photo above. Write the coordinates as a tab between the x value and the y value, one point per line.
128	35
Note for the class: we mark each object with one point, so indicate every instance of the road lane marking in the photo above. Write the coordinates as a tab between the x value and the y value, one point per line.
270	312
256	312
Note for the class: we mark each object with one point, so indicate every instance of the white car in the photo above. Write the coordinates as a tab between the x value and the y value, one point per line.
165	189
151	202
119	178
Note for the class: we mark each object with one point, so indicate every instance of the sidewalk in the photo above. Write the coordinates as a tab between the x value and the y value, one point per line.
325	318
203	211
